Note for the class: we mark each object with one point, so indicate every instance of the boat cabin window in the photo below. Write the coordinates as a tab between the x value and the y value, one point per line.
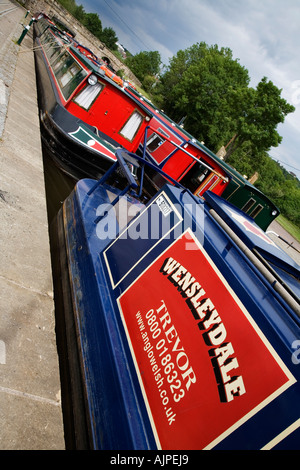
132	126
52	46
56	53
256	211
194	177
155	141
59	61
248	205
68	72
47	37
41	26
69	75
87	96
48	43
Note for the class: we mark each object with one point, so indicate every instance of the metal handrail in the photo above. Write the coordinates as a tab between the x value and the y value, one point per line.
263	267
179	147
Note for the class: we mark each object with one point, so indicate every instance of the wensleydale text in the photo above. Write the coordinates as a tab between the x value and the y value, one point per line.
211	323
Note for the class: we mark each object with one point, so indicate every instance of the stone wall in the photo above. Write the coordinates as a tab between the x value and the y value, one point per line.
53	8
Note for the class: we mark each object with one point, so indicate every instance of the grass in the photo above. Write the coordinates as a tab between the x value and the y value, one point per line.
291	228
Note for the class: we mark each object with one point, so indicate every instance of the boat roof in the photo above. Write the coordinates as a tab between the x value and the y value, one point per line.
254	237
230	171
100	72
61	24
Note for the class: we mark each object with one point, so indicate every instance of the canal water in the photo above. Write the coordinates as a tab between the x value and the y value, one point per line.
58	185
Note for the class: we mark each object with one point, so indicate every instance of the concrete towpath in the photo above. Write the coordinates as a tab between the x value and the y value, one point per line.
30	407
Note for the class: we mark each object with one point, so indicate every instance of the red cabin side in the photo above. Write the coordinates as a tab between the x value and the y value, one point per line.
107	108
177	158
197	176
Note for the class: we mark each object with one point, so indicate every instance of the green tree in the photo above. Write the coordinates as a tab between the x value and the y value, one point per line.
108	36
257	115
93	23
246	163
144	64
199	84
79	13
209	87
69	5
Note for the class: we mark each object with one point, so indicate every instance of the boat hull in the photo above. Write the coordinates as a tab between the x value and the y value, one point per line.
76	428
135	294
72	157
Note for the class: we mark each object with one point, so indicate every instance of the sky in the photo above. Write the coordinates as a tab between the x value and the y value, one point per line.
264	35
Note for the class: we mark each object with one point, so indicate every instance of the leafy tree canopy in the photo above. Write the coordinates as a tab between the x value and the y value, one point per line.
209	87
199	84
108	36
144	64
93	23
257	116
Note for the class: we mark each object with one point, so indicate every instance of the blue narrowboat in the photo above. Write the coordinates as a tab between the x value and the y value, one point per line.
179	321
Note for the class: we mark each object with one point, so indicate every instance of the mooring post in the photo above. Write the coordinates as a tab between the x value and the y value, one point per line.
25	31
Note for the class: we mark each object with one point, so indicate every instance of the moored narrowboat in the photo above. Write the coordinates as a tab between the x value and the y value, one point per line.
179	321
87	112
85	116
190	162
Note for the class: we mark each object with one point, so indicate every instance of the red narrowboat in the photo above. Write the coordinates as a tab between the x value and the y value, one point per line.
85	115
87	112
